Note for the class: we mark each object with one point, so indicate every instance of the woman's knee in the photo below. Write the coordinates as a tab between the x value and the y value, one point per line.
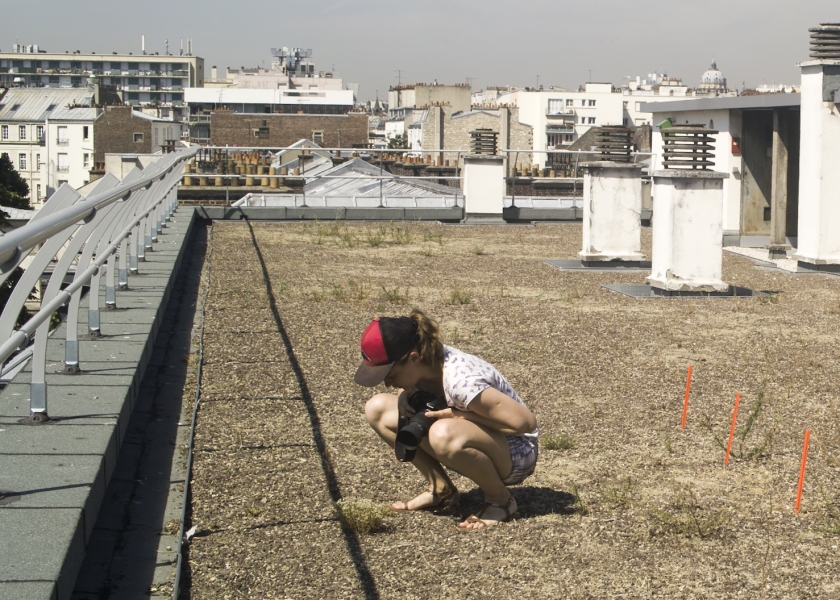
378	406
445	438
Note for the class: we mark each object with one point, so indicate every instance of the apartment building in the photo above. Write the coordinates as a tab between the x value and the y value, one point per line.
70	146
24	115
407	104
144	80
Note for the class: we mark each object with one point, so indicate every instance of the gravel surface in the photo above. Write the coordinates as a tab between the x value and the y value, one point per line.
636	508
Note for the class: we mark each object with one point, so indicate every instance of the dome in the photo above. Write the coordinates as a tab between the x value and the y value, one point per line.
713	76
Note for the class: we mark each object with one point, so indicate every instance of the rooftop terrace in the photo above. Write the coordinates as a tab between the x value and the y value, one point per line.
623	502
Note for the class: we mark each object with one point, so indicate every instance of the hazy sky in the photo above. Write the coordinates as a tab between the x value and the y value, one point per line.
490	42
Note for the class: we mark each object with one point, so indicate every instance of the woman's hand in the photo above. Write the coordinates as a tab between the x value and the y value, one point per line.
403	406
447	413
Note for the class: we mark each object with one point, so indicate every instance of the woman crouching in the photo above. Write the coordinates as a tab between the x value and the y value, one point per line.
486	433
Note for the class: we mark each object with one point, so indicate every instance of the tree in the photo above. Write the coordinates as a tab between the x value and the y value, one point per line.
14	193
398	142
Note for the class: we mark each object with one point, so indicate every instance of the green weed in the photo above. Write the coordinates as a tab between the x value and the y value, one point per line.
686	516
361	516
460	297
402	234
557	442
395	296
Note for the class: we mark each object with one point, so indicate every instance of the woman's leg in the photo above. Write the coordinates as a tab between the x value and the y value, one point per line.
382	415
478	453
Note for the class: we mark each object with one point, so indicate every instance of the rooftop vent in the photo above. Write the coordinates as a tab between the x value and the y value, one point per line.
614	143
688	147
484	141
825	41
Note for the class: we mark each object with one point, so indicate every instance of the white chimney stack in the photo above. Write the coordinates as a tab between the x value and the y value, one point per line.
143	43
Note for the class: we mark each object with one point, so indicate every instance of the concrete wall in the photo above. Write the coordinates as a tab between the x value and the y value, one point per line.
819	180
276	131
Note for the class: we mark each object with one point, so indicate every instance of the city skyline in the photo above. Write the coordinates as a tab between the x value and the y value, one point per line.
378	44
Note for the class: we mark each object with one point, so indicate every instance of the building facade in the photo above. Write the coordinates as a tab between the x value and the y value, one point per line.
246	130
142	80
70	135
24	115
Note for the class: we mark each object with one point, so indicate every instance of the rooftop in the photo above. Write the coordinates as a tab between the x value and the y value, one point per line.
35	104
623	502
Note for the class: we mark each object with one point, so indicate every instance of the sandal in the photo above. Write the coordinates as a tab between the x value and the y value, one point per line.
477	517
438	502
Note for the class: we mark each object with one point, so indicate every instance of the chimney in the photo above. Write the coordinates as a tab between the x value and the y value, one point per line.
213	72
143	43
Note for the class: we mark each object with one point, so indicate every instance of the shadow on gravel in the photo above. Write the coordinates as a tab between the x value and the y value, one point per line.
532	502
350	537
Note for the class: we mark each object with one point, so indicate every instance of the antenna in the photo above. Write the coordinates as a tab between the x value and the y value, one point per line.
182	47
590	76
399	73
189	47
166	42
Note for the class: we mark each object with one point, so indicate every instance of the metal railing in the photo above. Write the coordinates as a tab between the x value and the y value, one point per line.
111	230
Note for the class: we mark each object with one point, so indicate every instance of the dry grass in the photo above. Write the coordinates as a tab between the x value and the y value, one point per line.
360	515
638	508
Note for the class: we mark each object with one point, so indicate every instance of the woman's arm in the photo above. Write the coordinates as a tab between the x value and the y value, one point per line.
496	411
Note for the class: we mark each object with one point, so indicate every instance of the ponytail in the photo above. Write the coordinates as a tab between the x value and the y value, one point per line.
429	344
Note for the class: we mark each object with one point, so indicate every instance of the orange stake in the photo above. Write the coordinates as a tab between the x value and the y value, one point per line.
802	470
732	429
687	391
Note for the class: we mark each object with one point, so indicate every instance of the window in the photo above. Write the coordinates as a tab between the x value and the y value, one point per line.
86	160
626	105
591	103
39	132
37	161
569	137
22	161
62	164
38	192
61	182
591	120
4	132
583	102
22	132
62	138
138	138
570	102
85	132
555	107
318	137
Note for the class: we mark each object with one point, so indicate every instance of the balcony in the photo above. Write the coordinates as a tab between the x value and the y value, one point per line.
570	128
62	142
562	112
62	169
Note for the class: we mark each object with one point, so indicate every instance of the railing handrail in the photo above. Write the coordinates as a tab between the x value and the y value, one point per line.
19	240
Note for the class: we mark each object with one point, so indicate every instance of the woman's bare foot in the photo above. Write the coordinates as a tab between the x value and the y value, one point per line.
429	501
490	514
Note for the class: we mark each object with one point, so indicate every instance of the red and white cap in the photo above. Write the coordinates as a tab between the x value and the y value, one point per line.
384	341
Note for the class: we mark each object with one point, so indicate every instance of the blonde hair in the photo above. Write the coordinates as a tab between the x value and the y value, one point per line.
429	344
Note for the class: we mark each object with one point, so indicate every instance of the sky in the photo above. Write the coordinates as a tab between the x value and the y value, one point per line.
377	43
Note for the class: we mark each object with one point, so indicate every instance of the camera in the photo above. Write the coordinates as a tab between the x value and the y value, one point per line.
412	433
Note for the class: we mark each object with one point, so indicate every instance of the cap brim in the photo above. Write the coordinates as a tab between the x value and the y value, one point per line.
370	376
